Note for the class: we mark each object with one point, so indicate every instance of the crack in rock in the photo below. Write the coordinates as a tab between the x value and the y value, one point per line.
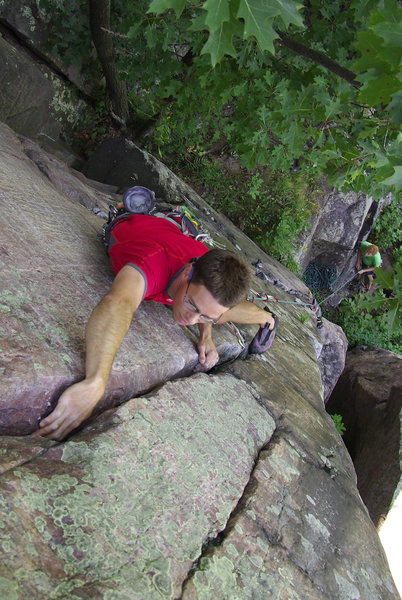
274	539
216	541
16	38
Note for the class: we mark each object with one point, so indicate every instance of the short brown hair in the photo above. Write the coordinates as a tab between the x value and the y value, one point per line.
371	250
225	274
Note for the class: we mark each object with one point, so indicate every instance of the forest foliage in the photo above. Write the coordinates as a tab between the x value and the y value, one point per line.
310	88
317	85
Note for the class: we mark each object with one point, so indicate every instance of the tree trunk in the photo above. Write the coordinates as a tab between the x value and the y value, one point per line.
99	17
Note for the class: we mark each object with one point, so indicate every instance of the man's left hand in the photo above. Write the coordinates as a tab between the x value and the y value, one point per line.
207	354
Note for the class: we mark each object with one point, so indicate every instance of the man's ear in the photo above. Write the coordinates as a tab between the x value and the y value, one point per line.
188	271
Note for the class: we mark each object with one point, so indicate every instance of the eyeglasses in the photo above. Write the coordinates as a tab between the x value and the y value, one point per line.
192	308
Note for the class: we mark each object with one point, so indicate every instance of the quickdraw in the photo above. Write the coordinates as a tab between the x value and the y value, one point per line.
267	297
314	305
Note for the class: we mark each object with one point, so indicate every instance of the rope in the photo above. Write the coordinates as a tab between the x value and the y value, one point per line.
319	277
324	275
339	288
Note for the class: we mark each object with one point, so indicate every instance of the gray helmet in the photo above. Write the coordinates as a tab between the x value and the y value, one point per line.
139	200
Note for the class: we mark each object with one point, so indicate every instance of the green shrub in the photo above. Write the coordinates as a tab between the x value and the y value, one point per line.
339	424
363	328
387	230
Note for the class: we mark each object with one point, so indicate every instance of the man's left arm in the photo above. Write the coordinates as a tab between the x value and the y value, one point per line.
244	312
207	354
362	271
248	313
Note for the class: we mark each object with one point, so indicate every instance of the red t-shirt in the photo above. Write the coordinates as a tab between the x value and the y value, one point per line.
156	248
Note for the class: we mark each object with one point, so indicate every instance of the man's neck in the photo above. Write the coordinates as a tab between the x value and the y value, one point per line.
174	283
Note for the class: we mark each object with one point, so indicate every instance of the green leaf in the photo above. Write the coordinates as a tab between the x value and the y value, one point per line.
395	179
386	280
379	90
160	6
331	154
391	11
393	318
363	7
381	160
368	44
152	36
220	43
132	33
288	10
392	34
395	108
239	90
256	14
372	303
198	23
217	13
332	108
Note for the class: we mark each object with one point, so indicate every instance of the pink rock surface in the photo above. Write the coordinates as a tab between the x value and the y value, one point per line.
53	273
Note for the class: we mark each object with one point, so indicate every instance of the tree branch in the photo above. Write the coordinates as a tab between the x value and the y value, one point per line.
319	58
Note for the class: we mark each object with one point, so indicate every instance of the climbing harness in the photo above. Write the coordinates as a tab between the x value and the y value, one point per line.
189	224
141	200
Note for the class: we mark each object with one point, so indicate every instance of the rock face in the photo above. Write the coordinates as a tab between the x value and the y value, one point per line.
232	484
335	230
30	24
368	396
331	360
37	98
25	100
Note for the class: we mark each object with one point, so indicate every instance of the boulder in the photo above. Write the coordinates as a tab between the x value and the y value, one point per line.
128	504
30	24
27	20
36	99
331	356
368	396
334	231
26	97
232	484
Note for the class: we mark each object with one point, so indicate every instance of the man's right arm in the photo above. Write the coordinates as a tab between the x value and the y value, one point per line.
105	332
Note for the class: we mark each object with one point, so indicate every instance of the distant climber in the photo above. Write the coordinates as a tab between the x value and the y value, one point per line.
369	258
153	260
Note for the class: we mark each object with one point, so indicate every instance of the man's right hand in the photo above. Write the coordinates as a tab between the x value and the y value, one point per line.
74	406
105	331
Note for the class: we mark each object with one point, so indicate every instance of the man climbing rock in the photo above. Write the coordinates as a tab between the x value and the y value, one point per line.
154	261
369	257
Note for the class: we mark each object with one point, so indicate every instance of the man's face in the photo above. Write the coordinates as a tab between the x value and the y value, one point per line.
195	304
